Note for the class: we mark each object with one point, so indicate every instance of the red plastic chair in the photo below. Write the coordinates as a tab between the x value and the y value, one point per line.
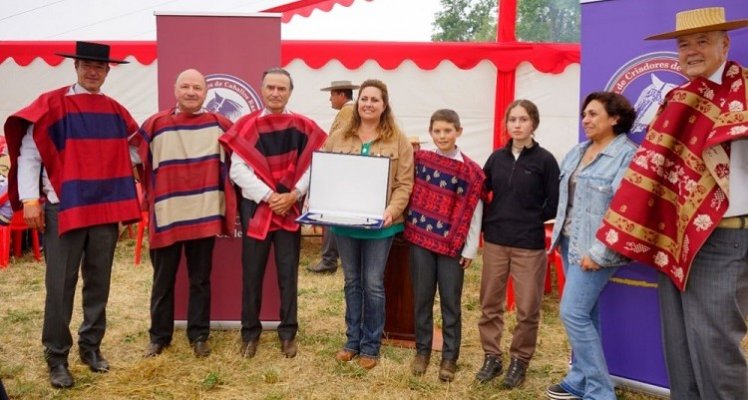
16	228
142	225
4	239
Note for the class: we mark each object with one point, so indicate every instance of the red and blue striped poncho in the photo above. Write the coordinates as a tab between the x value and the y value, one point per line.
445	194
187	188
278	147
82	140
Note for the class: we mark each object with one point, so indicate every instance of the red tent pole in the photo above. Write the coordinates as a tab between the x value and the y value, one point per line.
505	32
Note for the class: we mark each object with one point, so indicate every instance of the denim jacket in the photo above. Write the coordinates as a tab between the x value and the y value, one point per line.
596	184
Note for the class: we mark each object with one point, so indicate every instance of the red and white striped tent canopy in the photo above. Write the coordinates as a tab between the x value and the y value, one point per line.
478	80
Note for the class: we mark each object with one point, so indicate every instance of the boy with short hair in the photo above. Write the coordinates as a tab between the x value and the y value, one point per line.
443	223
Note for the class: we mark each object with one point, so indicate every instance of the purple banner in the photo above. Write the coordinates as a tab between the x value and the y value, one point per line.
616	57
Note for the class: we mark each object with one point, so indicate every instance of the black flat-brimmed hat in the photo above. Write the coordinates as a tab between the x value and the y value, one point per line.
92	52
699	20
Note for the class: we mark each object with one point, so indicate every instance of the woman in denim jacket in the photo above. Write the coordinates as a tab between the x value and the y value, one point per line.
590	174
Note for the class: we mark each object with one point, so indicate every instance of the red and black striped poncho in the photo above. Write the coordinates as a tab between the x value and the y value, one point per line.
82	140
278	147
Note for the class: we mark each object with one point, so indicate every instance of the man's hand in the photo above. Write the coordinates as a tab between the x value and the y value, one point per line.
33	215
280	203
465	262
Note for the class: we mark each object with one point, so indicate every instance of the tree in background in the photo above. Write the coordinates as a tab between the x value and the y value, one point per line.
537	21
465	21
548	20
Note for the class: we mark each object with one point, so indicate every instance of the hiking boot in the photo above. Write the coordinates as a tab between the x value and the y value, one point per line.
491	369
420	364
515	375
447	370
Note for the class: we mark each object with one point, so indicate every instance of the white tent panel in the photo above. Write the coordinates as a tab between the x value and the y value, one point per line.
414	94
133	85
557	98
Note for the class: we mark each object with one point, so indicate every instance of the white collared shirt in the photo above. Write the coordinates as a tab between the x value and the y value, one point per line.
738	177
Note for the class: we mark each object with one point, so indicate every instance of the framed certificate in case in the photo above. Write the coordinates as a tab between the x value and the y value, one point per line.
347	190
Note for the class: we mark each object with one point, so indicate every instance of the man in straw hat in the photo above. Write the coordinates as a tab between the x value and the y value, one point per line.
341	98
683	209
72	144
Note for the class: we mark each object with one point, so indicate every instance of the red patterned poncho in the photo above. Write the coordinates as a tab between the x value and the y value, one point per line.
445	194
676	189
186	180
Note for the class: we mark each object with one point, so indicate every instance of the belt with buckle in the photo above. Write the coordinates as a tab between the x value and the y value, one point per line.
740	222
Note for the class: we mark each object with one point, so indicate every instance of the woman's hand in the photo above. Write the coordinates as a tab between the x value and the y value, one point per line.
588	264
387	218
465	262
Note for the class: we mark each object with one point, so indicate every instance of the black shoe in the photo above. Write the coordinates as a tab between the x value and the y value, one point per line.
95	361
323	268
59	376
154	349
249	349
288	348
491	369
515	375
201	348
556	392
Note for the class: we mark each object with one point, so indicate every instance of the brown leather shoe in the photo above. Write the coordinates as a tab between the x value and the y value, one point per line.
367	362
249	349
154	349
60	377
95	361
288	348
345	355
201	348
420	364
447	370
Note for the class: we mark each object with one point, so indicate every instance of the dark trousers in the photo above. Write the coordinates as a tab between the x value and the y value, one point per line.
255	255
165	260
329	248
429	270
3	394
703	327
92	250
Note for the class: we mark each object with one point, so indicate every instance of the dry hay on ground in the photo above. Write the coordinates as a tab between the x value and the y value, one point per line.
313	374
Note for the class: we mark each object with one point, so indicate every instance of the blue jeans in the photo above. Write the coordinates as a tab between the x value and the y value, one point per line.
364	261
588	377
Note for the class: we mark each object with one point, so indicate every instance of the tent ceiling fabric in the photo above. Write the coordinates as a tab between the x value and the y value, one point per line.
127	19
304	8
545	57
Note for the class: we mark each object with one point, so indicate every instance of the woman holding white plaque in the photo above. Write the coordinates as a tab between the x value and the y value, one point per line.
371	131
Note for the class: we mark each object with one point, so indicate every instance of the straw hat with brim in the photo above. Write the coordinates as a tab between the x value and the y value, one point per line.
700	20
340	85
92	52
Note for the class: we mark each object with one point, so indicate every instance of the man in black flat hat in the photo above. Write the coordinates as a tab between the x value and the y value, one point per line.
72	144
341	98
